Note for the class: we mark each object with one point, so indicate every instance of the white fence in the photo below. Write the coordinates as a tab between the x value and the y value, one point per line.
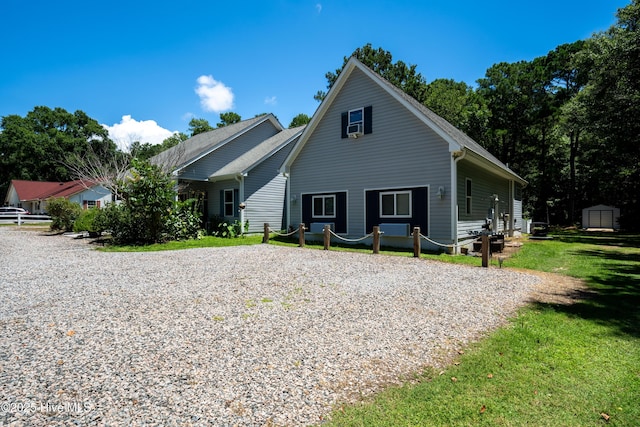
24	219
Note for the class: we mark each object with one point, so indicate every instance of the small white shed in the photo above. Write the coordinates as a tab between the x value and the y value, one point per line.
601	216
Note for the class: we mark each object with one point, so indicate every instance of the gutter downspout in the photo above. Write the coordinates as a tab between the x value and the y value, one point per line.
456	156
512	203
240	179
287	200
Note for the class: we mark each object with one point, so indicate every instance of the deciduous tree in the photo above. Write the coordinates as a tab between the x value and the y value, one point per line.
35	147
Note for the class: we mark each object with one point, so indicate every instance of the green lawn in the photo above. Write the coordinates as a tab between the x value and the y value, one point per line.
554	365
205	242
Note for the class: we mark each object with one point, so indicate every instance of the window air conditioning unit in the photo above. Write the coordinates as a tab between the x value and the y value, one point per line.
403	230
355	130
318	227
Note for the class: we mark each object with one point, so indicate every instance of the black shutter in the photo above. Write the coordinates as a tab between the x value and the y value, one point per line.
306	210
345	122
236	202
221	203
420	207
372	210
341	212
368	124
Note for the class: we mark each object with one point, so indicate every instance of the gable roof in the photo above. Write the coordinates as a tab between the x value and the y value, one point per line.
457	140
200	145
247	161
41	190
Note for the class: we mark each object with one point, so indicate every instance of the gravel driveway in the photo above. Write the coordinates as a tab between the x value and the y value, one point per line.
248	335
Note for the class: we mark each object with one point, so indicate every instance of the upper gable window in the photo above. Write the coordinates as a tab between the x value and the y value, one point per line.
357	122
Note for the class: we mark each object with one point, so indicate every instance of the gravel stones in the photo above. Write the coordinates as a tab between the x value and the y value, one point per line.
257	335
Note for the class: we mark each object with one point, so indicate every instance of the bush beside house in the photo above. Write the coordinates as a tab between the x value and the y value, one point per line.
149	211
63	213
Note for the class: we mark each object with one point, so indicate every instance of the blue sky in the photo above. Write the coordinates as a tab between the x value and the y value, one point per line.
144	69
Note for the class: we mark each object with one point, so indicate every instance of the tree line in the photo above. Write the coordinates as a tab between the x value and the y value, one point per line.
568	122
56	145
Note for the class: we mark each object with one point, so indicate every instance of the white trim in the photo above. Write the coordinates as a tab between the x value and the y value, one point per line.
361	121
323	197
328	193
468	197
398	188
395	203
455	207
358	123
225	203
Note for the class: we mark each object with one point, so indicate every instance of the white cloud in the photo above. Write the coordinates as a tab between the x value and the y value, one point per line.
130	130
214	95
271	100
318	7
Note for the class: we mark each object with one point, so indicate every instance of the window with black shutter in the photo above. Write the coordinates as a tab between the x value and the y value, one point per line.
357	122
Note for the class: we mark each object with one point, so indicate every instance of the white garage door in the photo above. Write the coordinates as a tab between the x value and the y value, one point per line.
601	219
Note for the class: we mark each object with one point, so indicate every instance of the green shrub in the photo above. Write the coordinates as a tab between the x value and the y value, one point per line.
117	222
63	213
221	227
149	212
184	221
89	221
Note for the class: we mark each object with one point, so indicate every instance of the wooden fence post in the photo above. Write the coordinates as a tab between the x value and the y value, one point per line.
265	236
376	239
416	242
301	235
485	250
327	236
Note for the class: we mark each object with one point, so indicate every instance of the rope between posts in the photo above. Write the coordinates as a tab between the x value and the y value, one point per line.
271	230
351	240
441	244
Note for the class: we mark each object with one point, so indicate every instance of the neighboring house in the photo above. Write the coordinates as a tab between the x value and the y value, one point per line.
233	165
601	216
33	195
372	155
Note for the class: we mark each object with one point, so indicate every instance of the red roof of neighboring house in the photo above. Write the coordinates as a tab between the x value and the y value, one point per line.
41	190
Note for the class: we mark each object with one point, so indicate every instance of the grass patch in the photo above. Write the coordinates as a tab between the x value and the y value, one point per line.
205	242
560	365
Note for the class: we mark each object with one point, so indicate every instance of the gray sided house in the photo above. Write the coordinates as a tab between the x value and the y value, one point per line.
234	165
372	155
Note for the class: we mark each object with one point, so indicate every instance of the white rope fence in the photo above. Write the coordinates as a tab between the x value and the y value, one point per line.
271	230
352	240
327	233
441	244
